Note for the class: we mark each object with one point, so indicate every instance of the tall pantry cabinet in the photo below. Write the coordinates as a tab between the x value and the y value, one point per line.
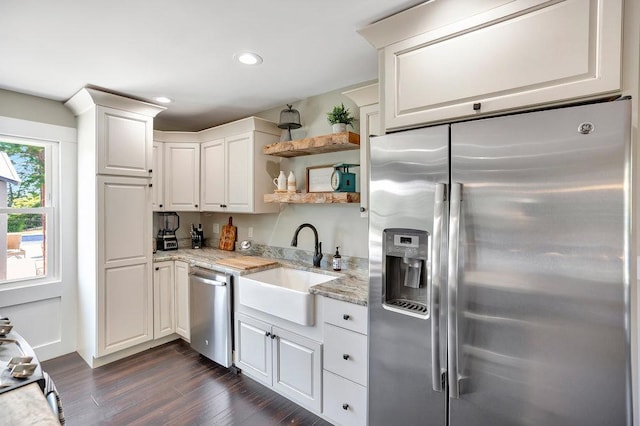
115	287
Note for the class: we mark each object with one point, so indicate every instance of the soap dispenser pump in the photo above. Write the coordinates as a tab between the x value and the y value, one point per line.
337	261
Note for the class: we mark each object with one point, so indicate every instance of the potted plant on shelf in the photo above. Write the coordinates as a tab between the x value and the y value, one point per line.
340	117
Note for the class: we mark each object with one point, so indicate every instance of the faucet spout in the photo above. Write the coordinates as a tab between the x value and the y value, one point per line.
317	253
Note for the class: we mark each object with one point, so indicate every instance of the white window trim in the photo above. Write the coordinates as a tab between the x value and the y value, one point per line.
52	136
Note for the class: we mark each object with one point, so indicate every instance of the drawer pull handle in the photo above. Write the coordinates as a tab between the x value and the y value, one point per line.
345	356
345	406
345	317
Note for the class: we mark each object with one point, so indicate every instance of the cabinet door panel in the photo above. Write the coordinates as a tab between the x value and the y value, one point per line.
125	308
253	348
240	173
213	176
124	142
163	300
297	368
157	177
500	62
182	176
125	220
183	327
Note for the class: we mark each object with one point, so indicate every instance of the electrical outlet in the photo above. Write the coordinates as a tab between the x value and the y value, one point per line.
250	232
216	228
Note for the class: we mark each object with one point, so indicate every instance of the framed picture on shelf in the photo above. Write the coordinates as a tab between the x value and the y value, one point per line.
319	178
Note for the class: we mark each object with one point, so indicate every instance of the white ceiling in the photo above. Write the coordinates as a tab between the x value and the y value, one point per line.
184	50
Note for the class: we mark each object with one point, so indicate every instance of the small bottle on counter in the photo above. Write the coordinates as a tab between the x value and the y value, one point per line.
337	261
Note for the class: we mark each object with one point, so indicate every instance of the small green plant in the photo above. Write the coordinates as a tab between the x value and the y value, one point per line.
340	114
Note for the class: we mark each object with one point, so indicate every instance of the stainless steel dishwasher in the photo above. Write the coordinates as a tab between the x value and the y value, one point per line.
210	314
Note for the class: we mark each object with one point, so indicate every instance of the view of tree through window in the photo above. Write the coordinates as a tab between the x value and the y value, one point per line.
22	210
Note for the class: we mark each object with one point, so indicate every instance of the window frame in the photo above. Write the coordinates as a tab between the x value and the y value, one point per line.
51	210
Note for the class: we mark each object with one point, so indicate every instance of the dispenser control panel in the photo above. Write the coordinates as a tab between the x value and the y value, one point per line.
412	241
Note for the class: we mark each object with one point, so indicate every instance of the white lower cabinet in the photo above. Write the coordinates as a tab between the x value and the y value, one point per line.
345	402
286	361
164	318
345	362
183	328
171	299
124	291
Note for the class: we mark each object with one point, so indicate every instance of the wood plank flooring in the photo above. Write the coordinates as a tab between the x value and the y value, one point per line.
168	385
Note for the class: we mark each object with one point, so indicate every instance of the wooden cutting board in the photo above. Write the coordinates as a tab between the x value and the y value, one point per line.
246	262
228	236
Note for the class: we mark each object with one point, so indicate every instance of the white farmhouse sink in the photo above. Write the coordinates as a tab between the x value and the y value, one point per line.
282	292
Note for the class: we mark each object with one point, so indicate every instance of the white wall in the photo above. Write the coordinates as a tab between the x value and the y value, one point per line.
34	108
45	313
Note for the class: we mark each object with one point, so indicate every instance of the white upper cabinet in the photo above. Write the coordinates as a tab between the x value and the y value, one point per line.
157	177
121	128
509	56
367	99
182	176
212	175
125	144
235	174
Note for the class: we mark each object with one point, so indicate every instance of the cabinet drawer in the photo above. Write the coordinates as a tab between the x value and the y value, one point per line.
346	315
344	402
345	353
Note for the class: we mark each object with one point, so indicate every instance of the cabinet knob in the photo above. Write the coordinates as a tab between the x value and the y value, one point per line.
346	317
157	268
160	205
477	106
362	209
150	185
273	336
267	334
196	205
345	356
150	171
345	406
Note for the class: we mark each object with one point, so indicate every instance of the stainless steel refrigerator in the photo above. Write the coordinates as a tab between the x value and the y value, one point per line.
500	260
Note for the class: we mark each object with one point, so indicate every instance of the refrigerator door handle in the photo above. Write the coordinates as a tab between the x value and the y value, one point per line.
452	294
436	244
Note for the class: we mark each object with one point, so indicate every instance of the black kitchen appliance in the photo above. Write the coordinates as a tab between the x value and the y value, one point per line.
166	239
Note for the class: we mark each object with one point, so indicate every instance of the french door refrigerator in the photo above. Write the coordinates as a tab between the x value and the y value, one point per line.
500	259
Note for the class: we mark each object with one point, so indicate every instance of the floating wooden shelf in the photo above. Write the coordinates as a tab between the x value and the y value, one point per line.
344	141
313	197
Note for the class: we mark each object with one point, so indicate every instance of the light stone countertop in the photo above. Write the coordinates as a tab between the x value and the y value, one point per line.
26	405
350	286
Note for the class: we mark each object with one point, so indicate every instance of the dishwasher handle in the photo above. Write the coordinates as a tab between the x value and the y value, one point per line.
209	277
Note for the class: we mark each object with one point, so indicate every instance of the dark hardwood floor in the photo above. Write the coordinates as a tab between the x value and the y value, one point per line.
172	385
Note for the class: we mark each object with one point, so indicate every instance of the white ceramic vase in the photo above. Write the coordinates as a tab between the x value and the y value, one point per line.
339	127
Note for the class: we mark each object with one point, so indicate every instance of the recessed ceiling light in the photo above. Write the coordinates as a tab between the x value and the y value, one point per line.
163	100
248	58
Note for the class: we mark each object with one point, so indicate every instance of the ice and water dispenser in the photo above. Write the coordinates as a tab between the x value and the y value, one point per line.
405	277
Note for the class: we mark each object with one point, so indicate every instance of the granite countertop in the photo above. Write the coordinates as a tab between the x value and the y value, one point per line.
350	286
26	405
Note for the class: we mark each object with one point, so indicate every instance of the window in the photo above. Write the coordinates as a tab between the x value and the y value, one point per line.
27	202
